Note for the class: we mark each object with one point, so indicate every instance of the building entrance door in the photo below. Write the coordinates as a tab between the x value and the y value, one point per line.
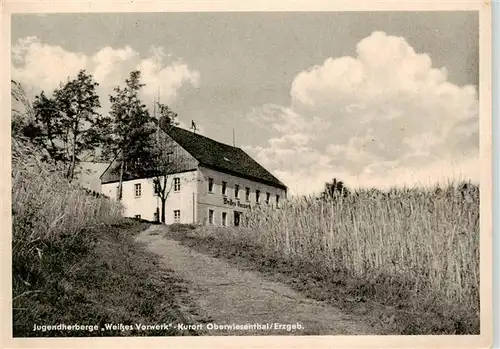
156	216
237	216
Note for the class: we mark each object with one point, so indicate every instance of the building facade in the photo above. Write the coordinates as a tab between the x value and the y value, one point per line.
207	182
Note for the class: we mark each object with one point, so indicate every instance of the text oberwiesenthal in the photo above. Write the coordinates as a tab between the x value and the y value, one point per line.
181	327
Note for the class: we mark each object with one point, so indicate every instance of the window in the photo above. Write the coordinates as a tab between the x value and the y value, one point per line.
224	187
247	194
268	196
211	216
177	216
257	196
177	184
236	190
237	216
137	190
211	185
170	155
224	219
277	199
156	188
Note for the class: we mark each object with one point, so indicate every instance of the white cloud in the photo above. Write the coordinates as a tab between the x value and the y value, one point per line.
110	64
41	66
168	78
385	117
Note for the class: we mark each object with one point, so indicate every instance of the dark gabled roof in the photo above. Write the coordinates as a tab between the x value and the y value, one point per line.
112	173
221	157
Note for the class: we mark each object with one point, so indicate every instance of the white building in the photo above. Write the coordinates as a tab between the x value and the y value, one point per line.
210	182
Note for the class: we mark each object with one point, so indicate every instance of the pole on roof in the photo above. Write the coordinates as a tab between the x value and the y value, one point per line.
234	143
157	117
154	107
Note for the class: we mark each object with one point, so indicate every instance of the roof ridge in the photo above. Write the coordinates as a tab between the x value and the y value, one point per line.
212	153
200	135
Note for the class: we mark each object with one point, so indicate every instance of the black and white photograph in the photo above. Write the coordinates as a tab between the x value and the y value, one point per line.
254	173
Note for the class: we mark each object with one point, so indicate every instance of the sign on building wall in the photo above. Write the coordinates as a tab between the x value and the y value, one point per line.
233	203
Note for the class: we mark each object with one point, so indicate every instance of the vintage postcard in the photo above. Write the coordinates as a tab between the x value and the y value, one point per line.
223	174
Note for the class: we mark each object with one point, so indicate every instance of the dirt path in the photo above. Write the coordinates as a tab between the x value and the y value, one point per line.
227	295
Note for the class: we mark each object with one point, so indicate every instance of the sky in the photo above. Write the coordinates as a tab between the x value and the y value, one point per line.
375	99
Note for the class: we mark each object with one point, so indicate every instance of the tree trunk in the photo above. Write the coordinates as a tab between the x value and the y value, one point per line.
73	158
163	201
163	197
120	183
68	170
66	159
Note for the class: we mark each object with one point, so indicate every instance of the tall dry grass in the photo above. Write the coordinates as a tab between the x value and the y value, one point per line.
75	260
47	202
424	240
50	218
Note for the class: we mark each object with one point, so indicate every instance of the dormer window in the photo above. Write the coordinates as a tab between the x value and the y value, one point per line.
169	158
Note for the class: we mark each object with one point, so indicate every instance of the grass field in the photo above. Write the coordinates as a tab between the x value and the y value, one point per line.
410	257
75	261
406	259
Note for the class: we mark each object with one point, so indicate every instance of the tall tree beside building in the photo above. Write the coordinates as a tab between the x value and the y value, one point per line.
46	131
161	160
166	116
79	102
130	127
67	125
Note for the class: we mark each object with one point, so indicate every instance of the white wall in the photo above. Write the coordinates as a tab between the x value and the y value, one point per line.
184	200
147	203
193	200
215	200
